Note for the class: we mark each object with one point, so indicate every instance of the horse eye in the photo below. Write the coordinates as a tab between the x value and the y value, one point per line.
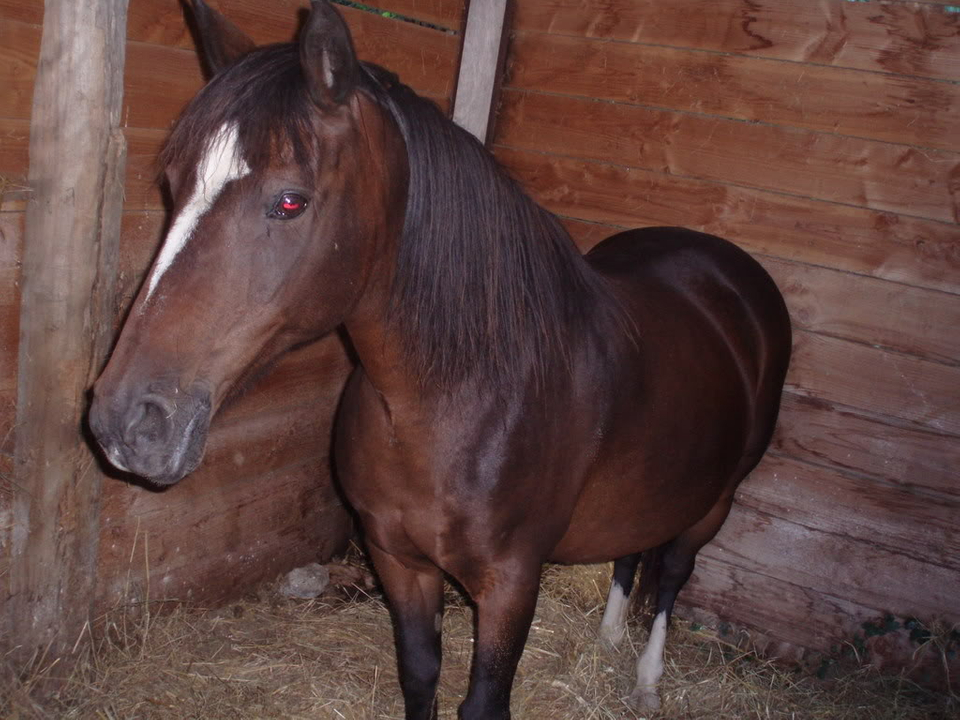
288	206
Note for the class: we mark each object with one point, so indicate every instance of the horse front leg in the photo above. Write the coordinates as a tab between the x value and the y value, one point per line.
415	595
505	607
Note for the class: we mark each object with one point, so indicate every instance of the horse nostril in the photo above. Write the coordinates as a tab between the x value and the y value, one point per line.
149	421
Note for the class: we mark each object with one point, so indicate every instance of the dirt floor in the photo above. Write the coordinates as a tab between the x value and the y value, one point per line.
332	657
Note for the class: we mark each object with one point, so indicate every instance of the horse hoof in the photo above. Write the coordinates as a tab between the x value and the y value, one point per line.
610	639
644	700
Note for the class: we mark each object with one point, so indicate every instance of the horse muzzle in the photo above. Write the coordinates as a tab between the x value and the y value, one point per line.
158	435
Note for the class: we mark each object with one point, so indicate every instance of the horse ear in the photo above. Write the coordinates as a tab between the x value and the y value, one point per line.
327	56
222	41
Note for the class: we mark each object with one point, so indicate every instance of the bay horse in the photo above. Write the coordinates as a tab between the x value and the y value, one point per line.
515	402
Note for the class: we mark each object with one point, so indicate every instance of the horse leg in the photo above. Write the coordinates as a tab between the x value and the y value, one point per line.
672	572
416	601
615	614
505	610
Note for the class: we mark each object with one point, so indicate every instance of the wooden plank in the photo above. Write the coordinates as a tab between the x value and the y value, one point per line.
876	175
844	505
901	38
445	13
14	154
424	59
892	108
141	188
914	458
909	250
910	320
158	83
11	239
790	622
250	531
19	49
76	156
835	566
915	391
480	65
29	11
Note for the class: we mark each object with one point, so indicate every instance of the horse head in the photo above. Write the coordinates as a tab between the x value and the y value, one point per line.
285	186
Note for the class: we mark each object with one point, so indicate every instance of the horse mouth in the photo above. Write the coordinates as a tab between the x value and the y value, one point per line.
156	439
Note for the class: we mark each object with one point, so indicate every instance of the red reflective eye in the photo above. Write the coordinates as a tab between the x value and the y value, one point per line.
289	206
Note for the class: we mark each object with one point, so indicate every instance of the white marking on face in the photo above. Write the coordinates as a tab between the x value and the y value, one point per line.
614	615
650	665
221	163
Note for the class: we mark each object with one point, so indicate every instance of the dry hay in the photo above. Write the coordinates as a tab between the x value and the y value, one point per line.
333	657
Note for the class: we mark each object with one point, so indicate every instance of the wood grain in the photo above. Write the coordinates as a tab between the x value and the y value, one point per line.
900	38
910	320
14	154
786	620
914	458
842	504
445	13
249	532
480	67
876	175
76	156
908	250
892	108
833	566
11	243
29	11
918	392
19	48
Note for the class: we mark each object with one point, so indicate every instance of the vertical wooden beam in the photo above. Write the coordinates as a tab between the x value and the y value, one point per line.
481	63
77	155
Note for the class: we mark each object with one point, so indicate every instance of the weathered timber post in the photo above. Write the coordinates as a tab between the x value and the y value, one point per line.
481	64
77	156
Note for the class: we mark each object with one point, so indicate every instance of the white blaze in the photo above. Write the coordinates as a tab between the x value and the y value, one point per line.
220	164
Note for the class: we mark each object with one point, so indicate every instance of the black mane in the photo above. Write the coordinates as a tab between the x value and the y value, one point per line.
488	285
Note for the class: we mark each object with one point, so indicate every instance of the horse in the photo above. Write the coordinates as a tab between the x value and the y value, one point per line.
515	402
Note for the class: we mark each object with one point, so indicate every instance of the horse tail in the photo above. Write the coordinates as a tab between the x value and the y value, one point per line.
651	566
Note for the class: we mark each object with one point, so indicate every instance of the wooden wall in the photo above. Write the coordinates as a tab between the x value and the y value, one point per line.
262	501
824	138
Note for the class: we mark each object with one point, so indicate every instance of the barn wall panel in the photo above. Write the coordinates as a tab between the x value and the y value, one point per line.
853	171
879	106
823	138
908	250
905	38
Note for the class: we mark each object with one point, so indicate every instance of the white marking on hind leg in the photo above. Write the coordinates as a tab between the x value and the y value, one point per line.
614	616
650	666
221	163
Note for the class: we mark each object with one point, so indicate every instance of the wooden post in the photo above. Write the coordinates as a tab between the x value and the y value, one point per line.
77	156
481	62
